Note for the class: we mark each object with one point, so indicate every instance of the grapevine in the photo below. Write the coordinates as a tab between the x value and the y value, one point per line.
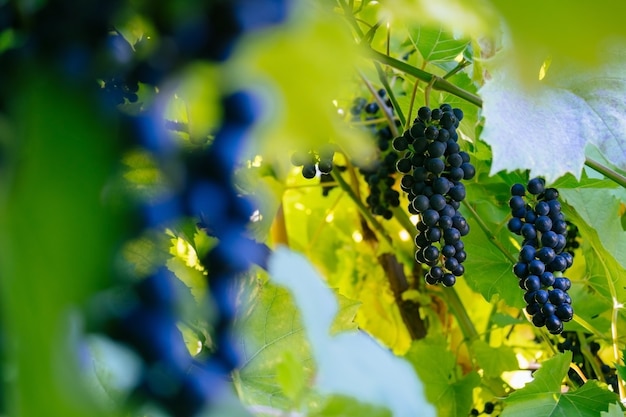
143	149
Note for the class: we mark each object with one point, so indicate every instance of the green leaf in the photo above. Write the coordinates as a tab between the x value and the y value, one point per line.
451	395
349	363
521	119
436	44
578	35
345	317
341	406
492	360
488	271
113	372
615	410
58	237
291	376
599	213
271	332
543	396
502	320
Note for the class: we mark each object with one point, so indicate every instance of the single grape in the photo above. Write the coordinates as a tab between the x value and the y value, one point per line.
515	225
309	171
457	193
430	217
325	166
372	108
536	186
424	113
421	203
400	144
468	171
527	253
547	279
518	190
448	280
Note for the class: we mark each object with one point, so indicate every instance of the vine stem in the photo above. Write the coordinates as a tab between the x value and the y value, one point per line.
394	101
606	171
364	211
386	110
465	323
437	82
614	333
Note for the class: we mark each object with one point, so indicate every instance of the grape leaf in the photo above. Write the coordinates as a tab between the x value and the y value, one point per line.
341	406
577	34
59	235
291	376
545	125
436	44
319	50
452	395
599	214
270	334
349	363
502	320
487	270
615	410
543	396
114	369
494	361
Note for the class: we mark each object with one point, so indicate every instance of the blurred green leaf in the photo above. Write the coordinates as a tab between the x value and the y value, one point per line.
576	31
291	376
615	410
434	363
341	406
349	363
270	332
494	361
57	237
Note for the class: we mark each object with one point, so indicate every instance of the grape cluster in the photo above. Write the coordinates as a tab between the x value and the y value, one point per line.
314	161
542	258
119	91
434	166
379	174
573	343
488	409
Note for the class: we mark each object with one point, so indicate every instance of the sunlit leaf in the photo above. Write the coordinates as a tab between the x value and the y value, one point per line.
493	360
366	369
543	396
578	33
436	44
271	332
615	410
341	406
546	125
